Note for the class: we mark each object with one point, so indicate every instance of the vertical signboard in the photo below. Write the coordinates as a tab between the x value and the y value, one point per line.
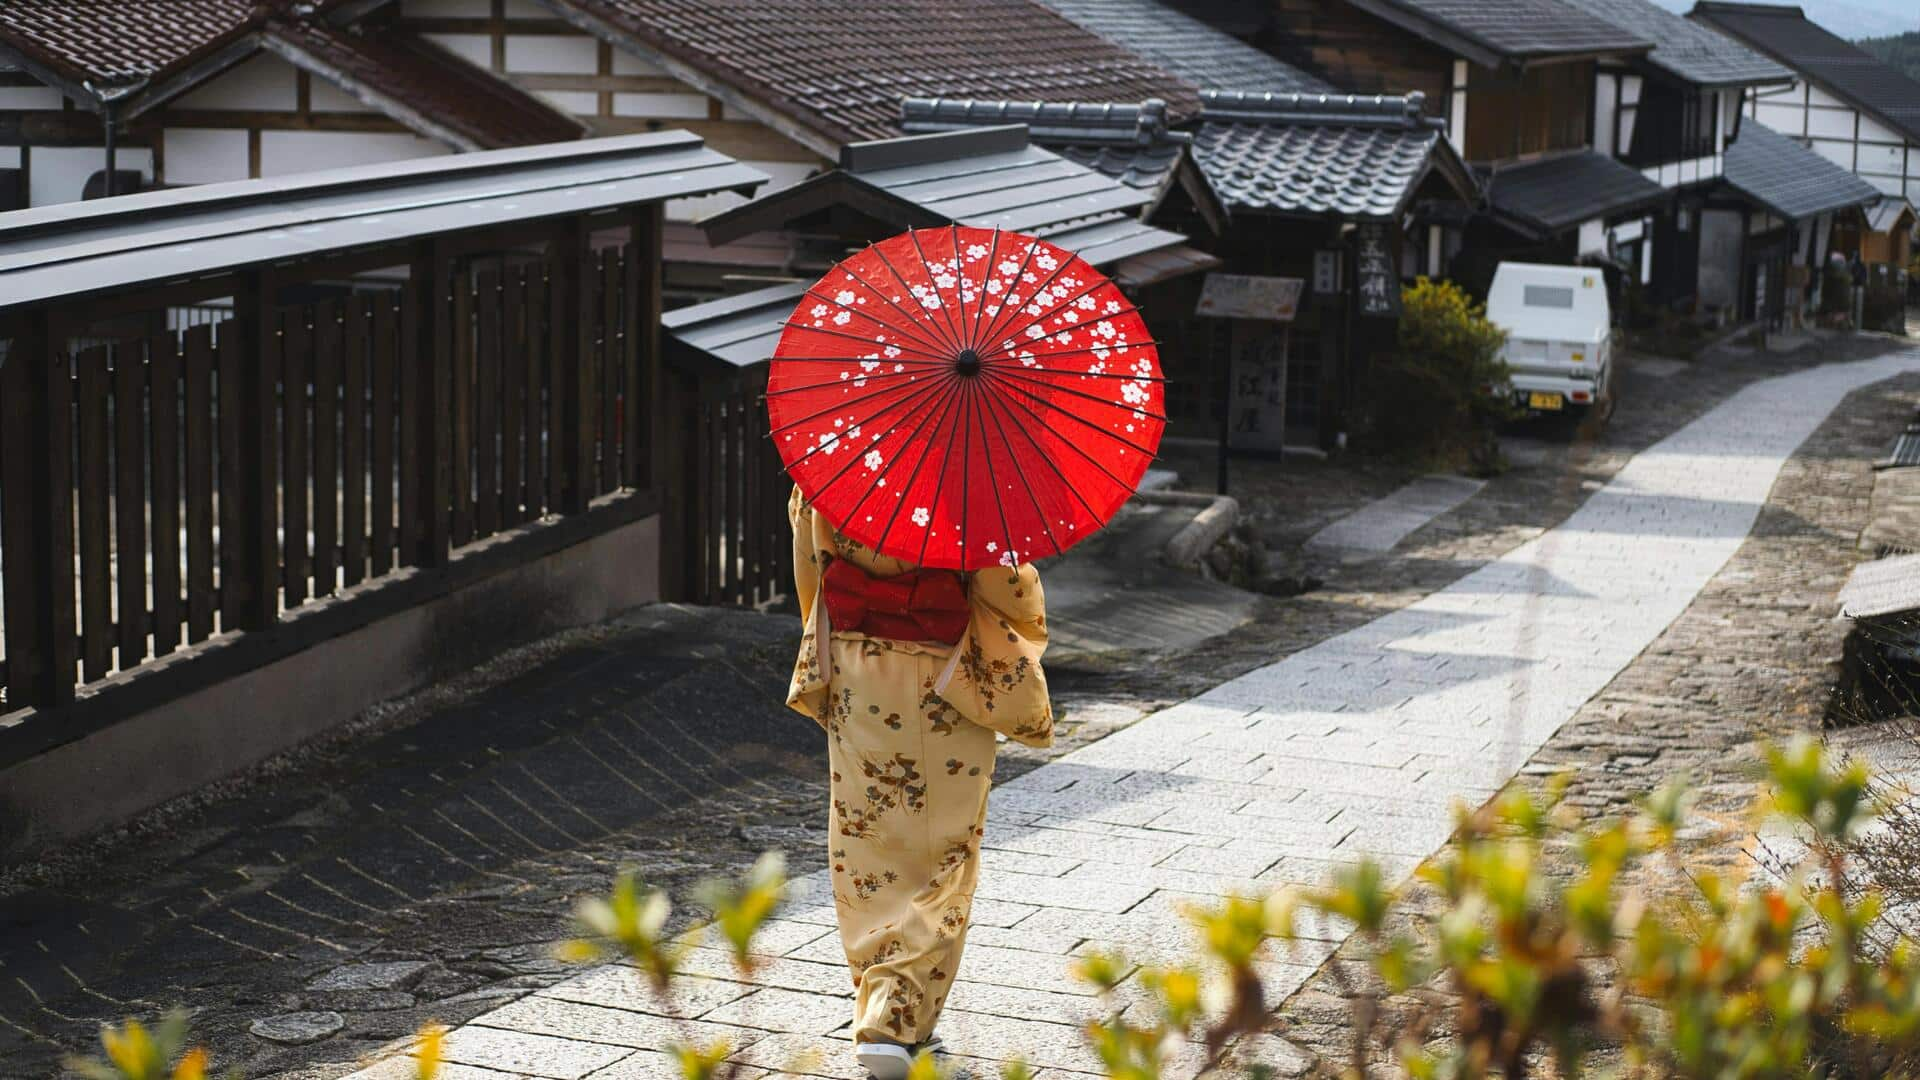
1376	282
1261	310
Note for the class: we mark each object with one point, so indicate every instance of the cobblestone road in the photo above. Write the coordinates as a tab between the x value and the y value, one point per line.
1354	746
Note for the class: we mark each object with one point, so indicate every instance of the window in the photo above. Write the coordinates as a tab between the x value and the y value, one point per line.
1672	124
1553	296
1542	109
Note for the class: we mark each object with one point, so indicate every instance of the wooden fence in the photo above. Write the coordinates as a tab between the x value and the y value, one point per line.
167	487
731	534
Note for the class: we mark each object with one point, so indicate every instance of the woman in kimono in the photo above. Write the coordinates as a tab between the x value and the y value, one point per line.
912	672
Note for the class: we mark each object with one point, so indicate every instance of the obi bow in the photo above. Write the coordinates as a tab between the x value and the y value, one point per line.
920	605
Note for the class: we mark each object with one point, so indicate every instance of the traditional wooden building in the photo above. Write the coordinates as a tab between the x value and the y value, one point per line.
1789	206
1847	105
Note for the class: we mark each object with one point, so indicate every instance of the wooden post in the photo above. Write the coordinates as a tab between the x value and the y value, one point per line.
572	308
432	349
36	519
645	382
259	561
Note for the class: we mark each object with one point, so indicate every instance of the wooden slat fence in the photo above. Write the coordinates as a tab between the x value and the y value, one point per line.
735	539
158	490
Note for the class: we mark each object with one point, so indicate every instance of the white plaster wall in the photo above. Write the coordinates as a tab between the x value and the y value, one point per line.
328	98
475	49
260	83
578	102
1816	96
1830	123
683	106
549	54
1605	91
1783	118
283	152
1629	98
60	172
9	157
1840	153
205	155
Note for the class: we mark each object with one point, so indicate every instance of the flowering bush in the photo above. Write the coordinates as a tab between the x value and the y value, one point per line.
1444	390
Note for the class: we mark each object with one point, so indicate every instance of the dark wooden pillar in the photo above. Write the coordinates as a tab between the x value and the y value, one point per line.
36	518
645	380
573	311
259	561
429	348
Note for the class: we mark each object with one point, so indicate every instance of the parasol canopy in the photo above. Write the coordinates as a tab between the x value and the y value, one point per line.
962	397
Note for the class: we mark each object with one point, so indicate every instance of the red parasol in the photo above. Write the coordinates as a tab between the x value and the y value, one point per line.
960	397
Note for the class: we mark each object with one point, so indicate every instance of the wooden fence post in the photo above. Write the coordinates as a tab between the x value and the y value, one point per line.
571	309
36	517
645	381
431	349
259	562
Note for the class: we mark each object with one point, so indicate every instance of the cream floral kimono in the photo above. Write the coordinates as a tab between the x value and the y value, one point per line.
911	763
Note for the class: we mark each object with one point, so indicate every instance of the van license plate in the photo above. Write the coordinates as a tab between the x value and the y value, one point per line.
1551	402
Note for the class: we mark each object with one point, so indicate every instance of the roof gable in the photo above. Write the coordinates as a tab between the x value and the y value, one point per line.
99	52
1309	155
1850	72
828	74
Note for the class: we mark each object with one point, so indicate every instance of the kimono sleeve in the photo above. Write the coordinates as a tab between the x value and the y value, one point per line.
998	683
808	691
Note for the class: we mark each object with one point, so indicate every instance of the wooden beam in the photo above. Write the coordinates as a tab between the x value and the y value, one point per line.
436	24
281	121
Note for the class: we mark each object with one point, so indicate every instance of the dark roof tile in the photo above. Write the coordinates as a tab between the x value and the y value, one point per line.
1198	53
1555	194
1787	35
1350	157
122	41
1512	29
1788	178
1687	49
839	69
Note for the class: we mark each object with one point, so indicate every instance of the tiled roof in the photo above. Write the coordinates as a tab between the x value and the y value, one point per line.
1508	29
987	177
1687	49
1130	143
1555	194
838	70
1198	53
1788	178
423	85
1349	157
118	42
1787	35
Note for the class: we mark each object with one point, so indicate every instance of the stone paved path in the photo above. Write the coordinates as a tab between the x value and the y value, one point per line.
1379	525
1353	747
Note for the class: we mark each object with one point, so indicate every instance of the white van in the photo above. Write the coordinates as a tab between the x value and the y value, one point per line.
1559	335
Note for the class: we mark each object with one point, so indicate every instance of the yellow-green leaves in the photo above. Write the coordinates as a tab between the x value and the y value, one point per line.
700	1062
1831	801
741	908
133	1052
630	923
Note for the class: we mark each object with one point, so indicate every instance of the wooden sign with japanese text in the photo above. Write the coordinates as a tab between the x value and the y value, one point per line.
1241	296
1376	282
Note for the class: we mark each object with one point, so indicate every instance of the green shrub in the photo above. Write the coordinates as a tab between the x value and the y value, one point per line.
1443	392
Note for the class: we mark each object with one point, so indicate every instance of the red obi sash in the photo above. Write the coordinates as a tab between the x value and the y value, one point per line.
920	605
